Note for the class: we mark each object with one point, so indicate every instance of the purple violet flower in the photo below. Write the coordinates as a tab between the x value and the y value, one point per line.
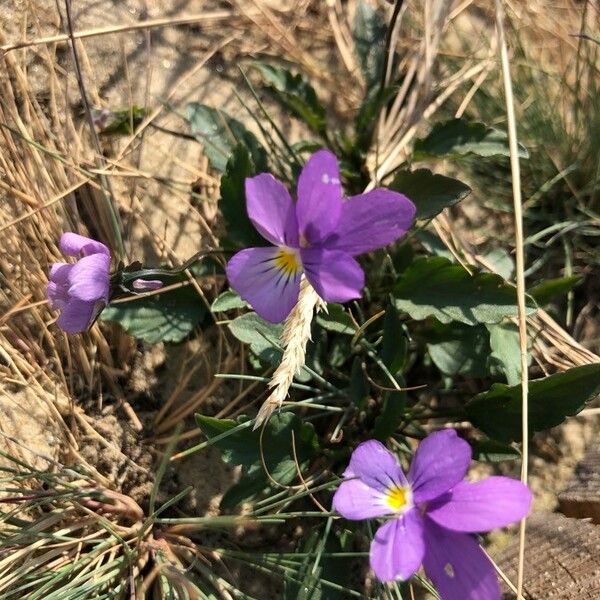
81	290
431	514
319	236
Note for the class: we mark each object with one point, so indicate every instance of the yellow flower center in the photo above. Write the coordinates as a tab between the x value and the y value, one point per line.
397	498
288	261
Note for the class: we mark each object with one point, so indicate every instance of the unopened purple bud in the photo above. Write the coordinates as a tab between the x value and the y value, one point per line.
146	285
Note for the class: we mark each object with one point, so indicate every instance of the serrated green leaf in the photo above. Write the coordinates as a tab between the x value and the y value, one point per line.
458	349
227	300
431	193
220	133
458	137
498	413
368	32
232	204
262	336
549	289
435	287
167	317
336	319
296	94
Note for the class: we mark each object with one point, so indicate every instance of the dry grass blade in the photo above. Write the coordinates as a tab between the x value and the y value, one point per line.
520	271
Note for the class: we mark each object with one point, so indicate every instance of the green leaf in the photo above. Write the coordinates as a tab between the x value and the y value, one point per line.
458	137
167	317
220	134
366	119
295	94
506	350
233	200
118	122
458	349
359	384
435	287
336	319
395	342
228	300
249	485
497	412
262	336
391	415
501	262
431	193
549	289
244	447
368	32
491	451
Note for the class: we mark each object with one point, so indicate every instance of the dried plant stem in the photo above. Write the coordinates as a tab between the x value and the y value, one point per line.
109	197
520	267
295	336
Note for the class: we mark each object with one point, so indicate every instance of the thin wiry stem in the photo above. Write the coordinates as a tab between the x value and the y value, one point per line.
520	268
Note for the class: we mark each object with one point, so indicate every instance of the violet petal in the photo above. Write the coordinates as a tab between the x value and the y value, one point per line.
457	566
319	197
376	466
59	273
355	500
440	462
336	276
74	244
77	316
398	547
271	210
89	278
370	221
255	275
481	506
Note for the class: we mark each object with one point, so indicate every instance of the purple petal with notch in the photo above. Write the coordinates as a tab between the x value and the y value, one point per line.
253	273
481	506
440	462
398	547
271	210
370	221
457	565
376	466
74	244
336	276
89	278
319	201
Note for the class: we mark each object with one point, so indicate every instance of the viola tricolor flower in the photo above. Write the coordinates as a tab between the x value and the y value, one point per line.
431	514
81	290
319	235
